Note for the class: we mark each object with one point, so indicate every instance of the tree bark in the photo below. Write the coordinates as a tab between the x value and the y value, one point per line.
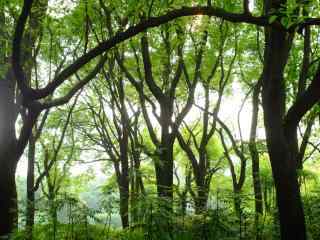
8	157
201	198
30	210
124	205
11	147
53	210
8	194
258	202
292	222
164	171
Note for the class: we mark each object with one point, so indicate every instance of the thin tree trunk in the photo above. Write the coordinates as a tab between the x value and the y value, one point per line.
255	159
30	210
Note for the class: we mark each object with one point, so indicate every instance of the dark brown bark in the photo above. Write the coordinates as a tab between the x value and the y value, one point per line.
302	86
124	204
30	211
164	164
8	196
255	154
12	148
305	140
10	153
137	186
292	222
8	156
123	186
124	157
164	170
202	175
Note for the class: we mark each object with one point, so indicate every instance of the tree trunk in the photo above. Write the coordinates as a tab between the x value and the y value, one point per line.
255	160
292	222
202	197
257	186
137	187
53	212
124	205
8	157
164	172
237	201
184	204
30	191
133	193
8	194
258	202
124	153
10	149
164	166
123	186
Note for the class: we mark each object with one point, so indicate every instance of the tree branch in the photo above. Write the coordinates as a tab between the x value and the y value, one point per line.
304	103
33	94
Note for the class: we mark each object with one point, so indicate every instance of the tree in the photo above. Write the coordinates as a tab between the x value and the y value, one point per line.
10	107
164	96
113	134
198	152
281	127
30	210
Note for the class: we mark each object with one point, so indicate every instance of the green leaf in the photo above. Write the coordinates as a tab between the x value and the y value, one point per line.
273	18
285	22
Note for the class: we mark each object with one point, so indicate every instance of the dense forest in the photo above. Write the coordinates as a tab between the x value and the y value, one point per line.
159	119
